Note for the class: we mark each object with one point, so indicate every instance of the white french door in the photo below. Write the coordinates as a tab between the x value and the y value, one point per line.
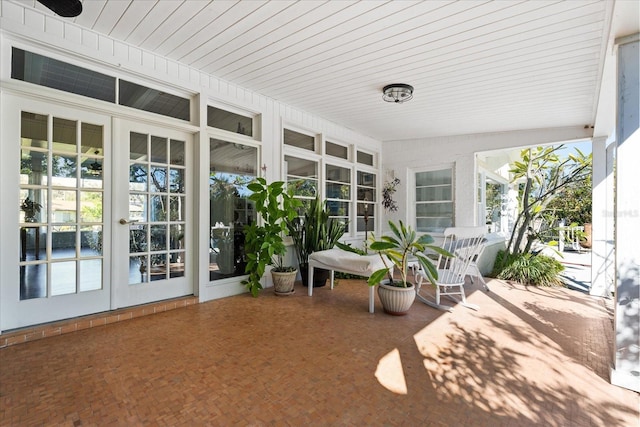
55	249
152	247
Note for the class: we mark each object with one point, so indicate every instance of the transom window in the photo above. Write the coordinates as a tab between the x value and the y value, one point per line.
300	140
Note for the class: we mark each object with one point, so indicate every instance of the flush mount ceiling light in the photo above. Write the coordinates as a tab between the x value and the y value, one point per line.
397	92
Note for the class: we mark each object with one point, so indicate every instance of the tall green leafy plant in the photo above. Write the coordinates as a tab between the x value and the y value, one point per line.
314	230
264	244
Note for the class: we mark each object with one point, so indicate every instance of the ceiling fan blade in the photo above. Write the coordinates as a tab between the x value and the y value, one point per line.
64	8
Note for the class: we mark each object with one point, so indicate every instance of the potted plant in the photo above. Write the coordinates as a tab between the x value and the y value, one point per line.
314	231
396	251
31	209
263	241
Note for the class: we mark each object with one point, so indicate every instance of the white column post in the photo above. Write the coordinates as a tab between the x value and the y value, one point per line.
599	254
626	370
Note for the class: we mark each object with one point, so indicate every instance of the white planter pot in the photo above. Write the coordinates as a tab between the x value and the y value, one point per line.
283	282
396	301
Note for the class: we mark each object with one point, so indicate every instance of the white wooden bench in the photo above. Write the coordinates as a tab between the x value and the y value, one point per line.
346	262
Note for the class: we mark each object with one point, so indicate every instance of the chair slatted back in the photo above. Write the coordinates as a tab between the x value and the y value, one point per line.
465	250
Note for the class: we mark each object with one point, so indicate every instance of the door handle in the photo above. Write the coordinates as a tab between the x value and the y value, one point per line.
124	221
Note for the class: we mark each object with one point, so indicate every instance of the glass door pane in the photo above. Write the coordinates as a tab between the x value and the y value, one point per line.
232	167
156	208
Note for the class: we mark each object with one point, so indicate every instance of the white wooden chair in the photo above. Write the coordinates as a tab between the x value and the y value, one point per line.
466	232
465	244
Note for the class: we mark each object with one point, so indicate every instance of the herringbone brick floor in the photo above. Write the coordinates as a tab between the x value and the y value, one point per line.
528	357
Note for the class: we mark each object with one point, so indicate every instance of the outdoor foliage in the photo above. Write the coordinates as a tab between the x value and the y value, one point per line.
543	177
572	203
529	269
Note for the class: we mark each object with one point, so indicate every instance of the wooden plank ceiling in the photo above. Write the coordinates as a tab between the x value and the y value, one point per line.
477	66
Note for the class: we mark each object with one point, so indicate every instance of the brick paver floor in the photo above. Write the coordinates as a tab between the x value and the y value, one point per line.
528	357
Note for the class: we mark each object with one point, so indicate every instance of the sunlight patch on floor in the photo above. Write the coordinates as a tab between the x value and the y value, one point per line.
390	373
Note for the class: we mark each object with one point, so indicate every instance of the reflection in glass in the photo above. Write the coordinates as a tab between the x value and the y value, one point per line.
33	130
158	149
33	205
63	278
158	179
137	177
50	229
33	242
33	167
138	147
91	172
158	237
158	208
63	241
137	207
176	208
158	269
138	269
63	206
65	136
232	167
176	236
90	275
33	281
91	240
176	267
176	180
137	238
63	171
91	138
90	206
177	152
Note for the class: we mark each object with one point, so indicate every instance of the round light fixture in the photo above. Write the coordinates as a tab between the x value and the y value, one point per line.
397	92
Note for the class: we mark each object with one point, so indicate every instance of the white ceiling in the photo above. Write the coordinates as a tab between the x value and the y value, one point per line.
477	66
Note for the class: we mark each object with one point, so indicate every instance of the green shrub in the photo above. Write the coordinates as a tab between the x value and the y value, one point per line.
528	269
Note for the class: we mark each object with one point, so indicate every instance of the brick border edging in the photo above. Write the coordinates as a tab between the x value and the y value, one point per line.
32	333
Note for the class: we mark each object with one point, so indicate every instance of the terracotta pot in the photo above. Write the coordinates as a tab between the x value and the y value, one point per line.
283	282
396	301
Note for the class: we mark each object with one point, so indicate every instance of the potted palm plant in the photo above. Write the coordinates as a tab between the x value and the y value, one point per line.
396	251
264	244
314	231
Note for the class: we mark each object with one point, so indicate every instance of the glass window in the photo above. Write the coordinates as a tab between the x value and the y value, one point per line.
232	167
434	200
366	209
154	101
302	176
232	122
338	192
296	139
337	150
365	158
41	70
